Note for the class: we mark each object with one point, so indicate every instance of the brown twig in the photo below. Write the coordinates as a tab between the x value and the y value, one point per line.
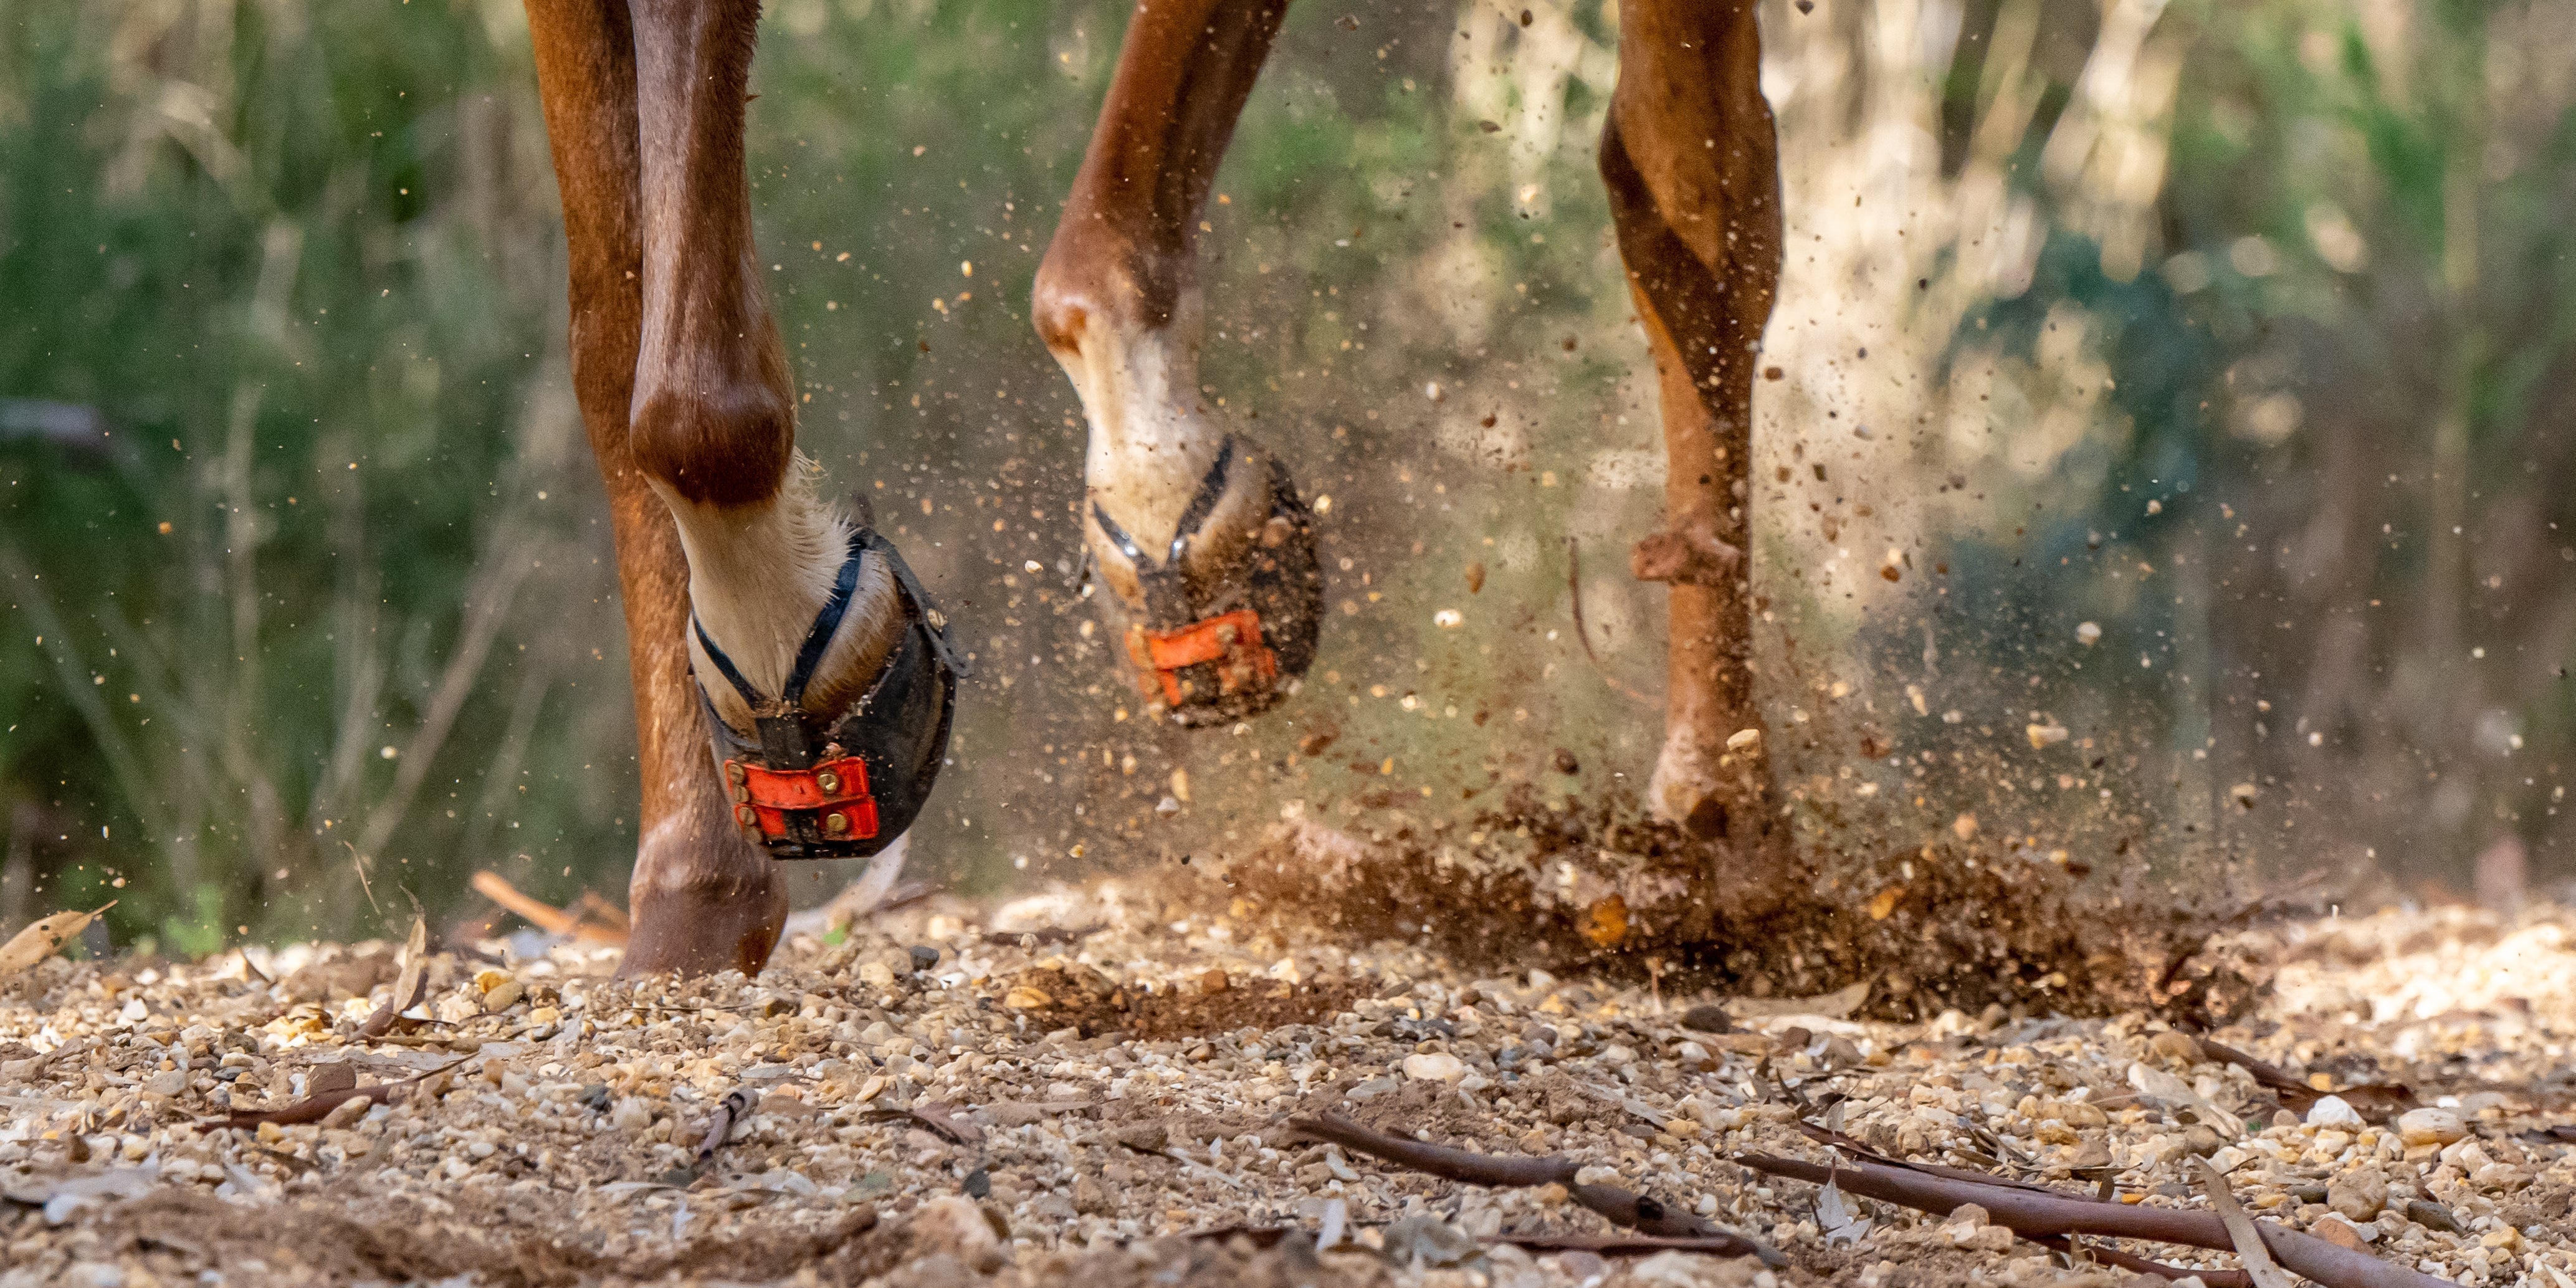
1509	1171
1612	1245
2375	1100
1639	1212
939	1116
1853	1147
2034	1215
315	1108
2240	1228
2111	1256
1608	1245
1574	589
735	1107
545	916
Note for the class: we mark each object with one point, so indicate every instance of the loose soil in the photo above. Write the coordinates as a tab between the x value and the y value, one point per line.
1093	1003
946	1128
1600	891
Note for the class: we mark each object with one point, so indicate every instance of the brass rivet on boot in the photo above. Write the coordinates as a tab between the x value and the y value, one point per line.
744	815
739	792
836	824
830	782
735	772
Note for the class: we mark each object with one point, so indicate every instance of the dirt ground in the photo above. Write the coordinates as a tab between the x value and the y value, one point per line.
1083	1087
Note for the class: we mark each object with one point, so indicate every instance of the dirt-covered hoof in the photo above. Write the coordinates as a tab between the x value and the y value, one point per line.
809	785
1222	625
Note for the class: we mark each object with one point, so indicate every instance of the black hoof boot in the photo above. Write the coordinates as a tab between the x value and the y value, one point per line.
1224	625
842	787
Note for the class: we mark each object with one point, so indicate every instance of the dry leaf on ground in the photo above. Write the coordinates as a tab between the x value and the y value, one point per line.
45	937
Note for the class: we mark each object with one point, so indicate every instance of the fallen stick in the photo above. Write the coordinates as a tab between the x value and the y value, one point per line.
1639	1212
2033	1215
2377	1101
735	1107
939	1116
316	1107
1608	1245
2111	1256
2241	1230
1853	1147
544	916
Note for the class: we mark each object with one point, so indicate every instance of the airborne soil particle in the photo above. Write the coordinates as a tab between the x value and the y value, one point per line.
1596	891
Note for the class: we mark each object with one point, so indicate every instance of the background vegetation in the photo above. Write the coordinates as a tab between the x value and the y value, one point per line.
2241	331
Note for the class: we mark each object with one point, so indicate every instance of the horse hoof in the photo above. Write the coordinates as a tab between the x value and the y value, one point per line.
803	785
1222	625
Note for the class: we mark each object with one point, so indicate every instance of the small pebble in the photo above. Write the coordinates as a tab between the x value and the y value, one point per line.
1434	1067
2432	1216
1099	1135
2177	1049
2431	1126
1708	1018
2358	1196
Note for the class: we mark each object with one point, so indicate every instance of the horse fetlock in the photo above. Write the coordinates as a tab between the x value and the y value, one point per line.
718	443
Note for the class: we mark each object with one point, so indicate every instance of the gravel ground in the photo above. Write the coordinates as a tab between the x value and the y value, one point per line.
1075	1088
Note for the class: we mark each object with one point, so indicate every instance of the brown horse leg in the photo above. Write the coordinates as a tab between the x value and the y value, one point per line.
1692	165
714	413
1118	304
703	898
713	433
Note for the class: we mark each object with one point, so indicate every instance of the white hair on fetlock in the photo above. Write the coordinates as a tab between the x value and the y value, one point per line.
758	576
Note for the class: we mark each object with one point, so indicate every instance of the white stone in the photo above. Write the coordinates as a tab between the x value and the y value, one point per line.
2333	1111
1676	1269
2430	1126
955	1226
94	1274
631	1114
1436	1066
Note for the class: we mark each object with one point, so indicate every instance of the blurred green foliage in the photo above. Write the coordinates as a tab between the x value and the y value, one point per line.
2344	390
